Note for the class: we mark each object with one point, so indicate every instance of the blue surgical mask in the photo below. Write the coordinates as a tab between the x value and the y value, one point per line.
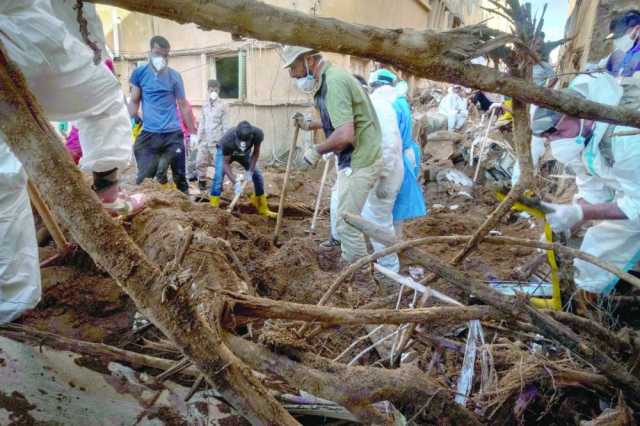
306	84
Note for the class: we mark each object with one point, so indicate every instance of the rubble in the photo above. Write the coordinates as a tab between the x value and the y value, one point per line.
278	333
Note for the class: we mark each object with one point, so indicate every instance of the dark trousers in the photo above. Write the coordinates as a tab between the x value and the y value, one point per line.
156	152
244	161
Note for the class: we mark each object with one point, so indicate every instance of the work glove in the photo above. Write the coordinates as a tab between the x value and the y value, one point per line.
495	105
237	187
563	217
193	141
302	121
248	175
382	188
311	156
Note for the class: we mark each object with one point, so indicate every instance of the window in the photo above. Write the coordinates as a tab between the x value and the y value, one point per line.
228	74
230	71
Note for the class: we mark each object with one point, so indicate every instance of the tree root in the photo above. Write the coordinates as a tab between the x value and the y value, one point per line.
355	387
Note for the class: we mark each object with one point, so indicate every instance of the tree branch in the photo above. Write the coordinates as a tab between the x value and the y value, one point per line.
425	54
33	141
355	387
545	325
240	305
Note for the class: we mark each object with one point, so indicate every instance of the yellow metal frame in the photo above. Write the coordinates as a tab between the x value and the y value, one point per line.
555	302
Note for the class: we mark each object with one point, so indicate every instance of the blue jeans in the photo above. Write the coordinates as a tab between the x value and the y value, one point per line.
218	175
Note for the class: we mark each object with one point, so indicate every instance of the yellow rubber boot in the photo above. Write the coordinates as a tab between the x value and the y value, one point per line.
214	200
260	203
168	186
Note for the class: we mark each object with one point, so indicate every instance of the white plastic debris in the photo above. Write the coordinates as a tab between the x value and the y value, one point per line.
465	194
454	176
416	272
466	375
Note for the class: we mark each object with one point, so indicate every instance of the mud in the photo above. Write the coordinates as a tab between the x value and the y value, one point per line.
81	306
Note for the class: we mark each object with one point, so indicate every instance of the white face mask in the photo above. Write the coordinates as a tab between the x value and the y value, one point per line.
213	96
158	62
568	150
623	44
306	84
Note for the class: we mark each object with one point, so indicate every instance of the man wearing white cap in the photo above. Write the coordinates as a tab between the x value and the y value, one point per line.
352	132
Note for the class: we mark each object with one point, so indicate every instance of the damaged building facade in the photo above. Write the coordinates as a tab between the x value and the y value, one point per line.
588	27
253	82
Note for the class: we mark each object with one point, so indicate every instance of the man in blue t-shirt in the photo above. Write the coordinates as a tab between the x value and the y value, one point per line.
160	144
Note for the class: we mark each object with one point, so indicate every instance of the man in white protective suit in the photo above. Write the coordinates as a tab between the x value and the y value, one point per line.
454	107
71	83
608	181
379	205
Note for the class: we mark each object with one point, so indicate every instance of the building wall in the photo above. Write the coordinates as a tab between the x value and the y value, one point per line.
379	13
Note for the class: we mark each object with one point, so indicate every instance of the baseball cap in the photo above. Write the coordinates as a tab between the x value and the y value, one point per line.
619	26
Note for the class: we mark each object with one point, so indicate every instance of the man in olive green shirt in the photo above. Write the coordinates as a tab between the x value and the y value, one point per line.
352	132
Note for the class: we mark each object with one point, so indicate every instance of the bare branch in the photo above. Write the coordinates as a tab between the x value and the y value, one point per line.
426	54
258	307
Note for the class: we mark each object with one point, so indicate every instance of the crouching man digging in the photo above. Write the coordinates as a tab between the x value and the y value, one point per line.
242	145
608	182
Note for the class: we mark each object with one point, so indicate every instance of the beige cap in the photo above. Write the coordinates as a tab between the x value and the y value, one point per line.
291	53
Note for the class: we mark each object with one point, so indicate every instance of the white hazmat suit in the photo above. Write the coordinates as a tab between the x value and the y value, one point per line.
454	107
42	37
379	205
607	172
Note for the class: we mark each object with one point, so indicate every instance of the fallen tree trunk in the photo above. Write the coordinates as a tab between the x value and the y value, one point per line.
182	317
239	305
355	387
429	54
